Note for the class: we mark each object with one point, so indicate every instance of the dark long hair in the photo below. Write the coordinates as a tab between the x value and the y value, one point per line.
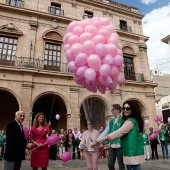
136	113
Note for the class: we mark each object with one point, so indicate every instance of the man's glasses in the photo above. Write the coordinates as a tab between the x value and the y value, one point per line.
126	108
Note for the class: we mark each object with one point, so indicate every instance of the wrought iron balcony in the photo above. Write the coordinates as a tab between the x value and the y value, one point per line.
87	16
134	76
55	10
29	62
17	3
125	28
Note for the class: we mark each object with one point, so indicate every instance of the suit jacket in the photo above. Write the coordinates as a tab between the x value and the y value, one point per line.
15	143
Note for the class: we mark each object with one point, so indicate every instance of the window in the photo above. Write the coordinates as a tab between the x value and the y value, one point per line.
56	9
17	3
129	68
123	25
88	15
52	56
8	47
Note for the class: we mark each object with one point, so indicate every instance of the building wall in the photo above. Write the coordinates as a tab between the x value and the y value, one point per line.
28	84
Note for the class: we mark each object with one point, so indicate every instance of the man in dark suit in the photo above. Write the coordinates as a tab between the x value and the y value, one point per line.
15	143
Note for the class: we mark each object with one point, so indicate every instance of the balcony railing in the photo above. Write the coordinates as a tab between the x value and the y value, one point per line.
55	10
134	76
29	62
87	16
125	28
17	3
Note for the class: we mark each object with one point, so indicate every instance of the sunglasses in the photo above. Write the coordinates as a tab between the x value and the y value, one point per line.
126	108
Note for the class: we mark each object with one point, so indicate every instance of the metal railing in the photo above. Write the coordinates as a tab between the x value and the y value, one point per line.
29	62
55	10
87	16
134	76
17	3
125	28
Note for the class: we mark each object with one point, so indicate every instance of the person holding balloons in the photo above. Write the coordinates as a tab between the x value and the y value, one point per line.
163	139
153	142
146	145
131	136
38	135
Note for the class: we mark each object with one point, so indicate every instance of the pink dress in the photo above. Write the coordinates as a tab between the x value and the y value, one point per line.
39	156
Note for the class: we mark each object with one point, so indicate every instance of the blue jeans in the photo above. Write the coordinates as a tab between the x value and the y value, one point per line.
164	147
133	167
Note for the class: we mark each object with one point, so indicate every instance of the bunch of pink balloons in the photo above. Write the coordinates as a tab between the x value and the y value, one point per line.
94	54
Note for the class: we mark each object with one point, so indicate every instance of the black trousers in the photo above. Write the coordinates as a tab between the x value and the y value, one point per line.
154	150
76	146
113	154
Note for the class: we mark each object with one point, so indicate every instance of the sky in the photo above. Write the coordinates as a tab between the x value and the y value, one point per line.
156	25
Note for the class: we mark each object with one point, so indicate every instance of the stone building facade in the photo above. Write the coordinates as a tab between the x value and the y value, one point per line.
33	68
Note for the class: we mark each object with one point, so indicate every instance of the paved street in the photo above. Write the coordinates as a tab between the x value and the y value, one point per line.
77	164
161	164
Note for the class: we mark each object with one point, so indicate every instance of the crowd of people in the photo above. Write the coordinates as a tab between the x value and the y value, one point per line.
124	139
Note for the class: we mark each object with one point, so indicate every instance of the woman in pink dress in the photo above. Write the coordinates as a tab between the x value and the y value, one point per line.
38	135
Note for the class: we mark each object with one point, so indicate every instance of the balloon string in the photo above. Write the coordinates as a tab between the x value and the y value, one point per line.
52	107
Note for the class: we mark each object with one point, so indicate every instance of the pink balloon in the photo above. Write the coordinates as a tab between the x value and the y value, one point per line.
111	49
76	49
26	131
85	36
66	47
154	135
91	29
94	62
52	139
157	130
92	88
156	119
81	59
120	78
97	23
105	21
57	116
84	23
73	39
113	40
105	70
60	136
114	71
71	26
90	74
69	56
146	122
70	135
79	80
111	29
108	59
100	50
88	47
119	52
102	89
66	37
78	30
98	39
81	70
119	46
65	156
118	60
169	119
104	32
72	67
159	117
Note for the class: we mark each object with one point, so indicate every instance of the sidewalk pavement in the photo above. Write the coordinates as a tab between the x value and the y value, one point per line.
77	164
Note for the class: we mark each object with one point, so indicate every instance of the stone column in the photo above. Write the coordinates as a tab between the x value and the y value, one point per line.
73	120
